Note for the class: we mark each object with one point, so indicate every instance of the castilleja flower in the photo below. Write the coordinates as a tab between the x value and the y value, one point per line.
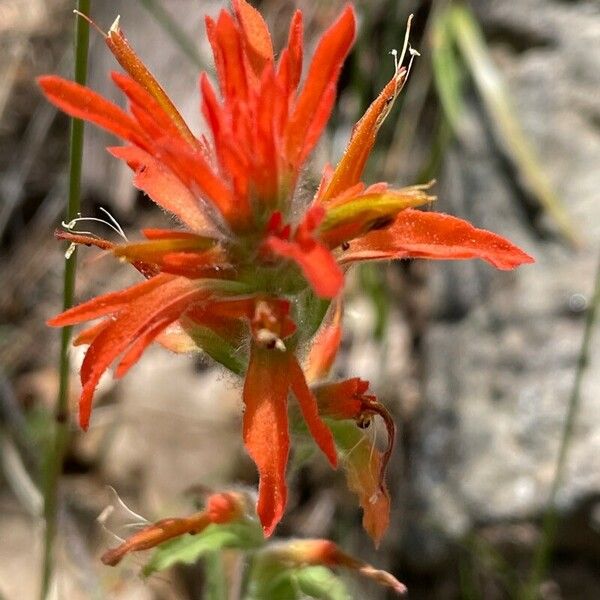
221	508
240	278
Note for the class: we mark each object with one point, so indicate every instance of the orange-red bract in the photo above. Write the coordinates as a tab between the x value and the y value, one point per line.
269	380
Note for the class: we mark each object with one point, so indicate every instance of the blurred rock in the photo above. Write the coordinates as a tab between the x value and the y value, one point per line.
192	417
501	350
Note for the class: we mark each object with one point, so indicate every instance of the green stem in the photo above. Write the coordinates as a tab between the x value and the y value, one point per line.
60	439
216	579
543	552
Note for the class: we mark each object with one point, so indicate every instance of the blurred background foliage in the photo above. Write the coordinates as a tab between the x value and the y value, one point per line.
495	480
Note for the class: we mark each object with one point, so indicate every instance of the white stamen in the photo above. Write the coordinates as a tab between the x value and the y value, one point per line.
112	223
70	250
119	511
400	72
412	53
268	339
115	222
394	53
90	22
130	513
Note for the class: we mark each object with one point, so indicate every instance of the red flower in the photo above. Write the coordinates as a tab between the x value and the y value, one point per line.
245	264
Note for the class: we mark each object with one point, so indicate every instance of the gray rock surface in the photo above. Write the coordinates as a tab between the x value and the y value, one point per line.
501	348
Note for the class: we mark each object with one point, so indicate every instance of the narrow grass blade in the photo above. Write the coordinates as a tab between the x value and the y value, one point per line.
488	81
448	73
172	27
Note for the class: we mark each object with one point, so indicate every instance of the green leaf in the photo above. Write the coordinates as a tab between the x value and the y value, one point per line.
269	580
273	581
321	583
346	433
188	549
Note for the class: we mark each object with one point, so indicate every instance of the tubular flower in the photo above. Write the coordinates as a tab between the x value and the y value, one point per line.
301	553
364	464
220	508
345	404
234	279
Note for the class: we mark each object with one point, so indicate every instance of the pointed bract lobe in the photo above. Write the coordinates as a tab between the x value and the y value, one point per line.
323	73
419	234
319	121
83	103
139	345
231	64
106	304
295	50
164	304
257	38
154	115
310	411
164	187
194	170
325	346
129	60
266	434
350	169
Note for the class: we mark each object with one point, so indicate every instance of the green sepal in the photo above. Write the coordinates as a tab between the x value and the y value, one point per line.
368	209
218	348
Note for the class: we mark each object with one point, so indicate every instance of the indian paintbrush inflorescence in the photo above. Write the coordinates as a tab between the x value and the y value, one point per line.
254	273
